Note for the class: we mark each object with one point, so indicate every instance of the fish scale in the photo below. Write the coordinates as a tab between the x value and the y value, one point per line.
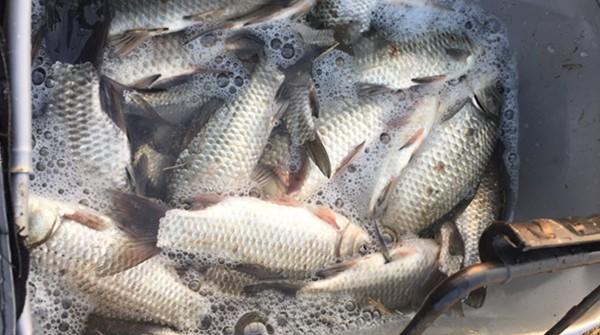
249	231
75	253
223	155
401	63
93	140
342	131
448	165
151	14
397	284
481	212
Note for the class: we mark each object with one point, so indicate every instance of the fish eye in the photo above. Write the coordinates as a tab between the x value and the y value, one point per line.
389	236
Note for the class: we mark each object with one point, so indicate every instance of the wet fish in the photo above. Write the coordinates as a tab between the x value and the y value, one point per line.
159	59
149	168
83	249
96	144
176	104
274	168
446	167
137	20
414	59
481	212
344	133
397	285
260	237
354	16
404	143
218	278
223	155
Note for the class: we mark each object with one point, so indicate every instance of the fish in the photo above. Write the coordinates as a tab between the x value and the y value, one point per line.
135	21
482	211
223	154
264	238
349	17
397	285
403	144
149	168
95	142
447	166
160	59
97	325
451	249
175	105
218	278
413	60
344	132
274	170
119	276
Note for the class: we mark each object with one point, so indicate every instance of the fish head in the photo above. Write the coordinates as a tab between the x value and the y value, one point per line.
44	219
354	240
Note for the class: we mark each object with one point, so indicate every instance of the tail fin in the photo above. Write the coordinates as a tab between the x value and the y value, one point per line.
139	219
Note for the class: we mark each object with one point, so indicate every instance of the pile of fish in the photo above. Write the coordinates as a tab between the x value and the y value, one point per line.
260	166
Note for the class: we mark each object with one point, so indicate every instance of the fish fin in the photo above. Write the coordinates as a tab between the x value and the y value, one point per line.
280	105
337	268
313	99
264	174
327	215
87	219
368	90
378	305
489	100
202	201
199	120
125	42
402	252
418	136
112	101
476	299
138	217
384	249
139	177
286	287
452	110
149	111
379	206
134	253
174	80
350	157
272	11
258	271
146	81
428	80
460	55
318	154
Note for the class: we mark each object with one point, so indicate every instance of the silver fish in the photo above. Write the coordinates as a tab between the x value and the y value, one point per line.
96	145
344	133
413	60
404	143
159	59
134	21
84	249
446	167
481	212
223	155
261	237
354	16
397	285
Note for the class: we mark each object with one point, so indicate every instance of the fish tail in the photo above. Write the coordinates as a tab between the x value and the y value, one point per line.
138	218
245	45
